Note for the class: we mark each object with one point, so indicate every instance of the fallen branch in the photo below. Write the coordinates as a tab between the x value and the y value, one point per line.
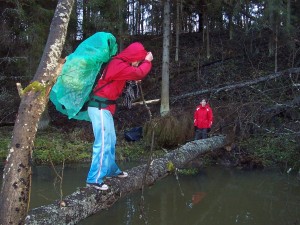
153	101
238	85
278	108
87	201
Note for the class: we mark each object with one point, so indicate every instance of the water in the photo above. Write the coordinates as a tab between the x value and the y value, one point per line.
216	196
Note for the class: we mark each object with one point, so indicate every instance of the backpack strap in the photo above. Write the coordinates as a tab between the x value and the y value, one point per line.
99	102
99	88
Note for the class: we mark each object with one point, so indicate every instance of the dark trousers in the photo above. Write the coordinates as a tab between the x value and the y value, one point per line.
200	133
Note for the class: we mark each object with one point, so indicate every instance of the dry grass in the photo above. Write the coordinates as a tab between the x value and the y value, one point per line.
170	131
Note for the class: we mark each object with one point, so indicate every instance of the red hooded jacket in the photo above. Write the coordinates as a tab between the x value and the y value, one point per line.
203	117
119	70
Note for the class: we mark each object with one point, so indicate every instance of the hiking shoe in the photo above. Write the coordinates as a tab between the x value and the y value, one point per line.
123	175
102	186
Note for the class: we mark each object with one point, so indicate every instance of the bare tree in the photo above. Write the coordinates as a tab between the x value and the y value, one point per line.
178	4
15	192
165	106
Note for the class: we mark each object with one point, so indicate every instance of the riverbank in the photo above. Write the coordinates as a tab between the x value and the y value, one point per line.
56	146
72	146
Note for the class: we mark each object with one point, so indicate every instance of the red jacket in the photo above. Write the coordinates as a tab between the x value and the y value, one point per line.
203	117
119	70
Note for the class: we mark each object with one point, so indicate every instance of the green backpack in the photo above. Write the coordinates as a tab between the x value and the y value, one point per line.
76	80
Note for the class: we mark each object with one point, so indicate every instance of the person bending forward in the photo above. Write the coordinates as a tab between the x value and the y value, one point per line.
133	63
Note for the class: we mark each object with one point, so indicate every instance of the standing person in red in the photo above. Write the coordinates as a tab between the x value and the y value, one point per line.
203	119
133	63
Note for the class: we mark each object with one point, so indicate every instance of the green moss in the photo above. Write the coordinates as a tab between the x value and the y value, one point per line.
36	87
170	167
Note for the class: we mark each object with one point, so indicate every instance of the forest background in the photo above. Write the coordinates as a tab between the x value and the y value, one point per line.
242	55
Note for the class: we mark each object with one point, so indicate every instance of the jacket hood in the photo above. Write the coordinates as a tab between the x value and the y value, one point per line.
134	52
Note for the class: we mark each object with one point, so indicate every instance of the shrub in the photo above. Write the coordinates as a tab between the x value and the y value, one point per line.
169	131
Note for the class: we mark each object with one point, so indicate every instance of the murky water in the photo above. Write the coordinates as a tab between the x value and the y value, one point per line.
216	196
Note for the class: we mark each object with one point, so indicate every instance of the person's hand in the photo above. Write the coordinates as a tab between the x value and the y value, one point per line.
149	57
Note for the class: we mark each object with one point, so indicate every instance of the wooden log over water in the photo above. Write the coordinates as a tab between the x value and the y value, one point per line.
87	201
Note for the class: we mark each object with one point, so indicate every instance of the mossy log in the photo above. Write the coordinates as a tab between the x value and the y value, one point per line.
87	201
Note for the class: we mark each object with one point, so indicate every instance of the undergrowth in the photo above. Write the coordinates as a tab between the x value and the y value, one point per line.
72	147
275	151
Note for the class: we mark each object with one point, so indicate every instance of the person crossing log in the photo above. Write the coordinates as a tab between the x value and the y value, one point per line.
87	201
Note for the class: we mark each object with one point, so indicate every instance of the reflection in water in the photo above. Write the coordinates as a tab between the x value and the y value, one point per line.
130	210
216	196
197	197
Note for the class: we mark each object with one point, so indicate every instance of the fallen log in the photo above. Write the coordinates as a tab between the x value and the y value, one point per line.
87	201
278	108
153	101
287	73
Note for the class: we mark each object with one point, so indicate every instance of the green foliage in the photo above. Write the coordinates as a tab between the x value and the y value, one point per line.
58	147
5	135
188	171
105	16
4	142
283	151
72	147
130	150
53	145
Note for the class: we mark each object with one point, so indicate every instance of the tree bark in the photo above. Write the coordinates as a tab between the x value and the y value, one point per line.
88	201
15	192
165	101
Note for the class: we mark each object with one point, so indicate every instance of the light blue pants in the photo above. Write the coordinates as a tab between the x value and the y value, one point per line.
103	160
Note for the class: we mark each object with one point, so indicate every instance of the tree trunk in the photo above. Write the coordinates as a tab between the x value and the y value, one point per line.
177	29
88	201
288	16
165	105
15	192
207	38
44	120
121	9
